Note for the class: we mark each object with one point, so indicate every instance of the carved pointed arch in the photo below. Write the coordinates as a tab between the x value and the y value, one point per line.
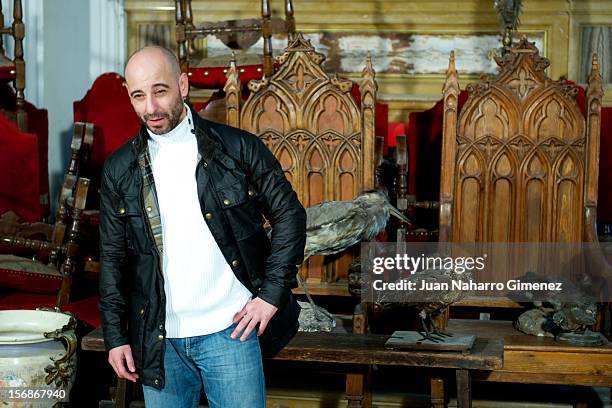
567	194
470	182
501	187
346	170
551	114
492	113
534	197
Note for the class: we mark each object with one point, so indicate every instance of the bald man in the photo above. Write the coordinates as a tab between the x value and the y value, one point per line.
192	290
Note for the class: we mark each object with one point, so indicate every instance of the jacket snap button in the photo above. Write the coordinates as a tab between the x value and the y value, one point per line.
122	211
235	263
251	193
141	312
156	382
205	164
161	337
161	327
208	216
226	202
149	209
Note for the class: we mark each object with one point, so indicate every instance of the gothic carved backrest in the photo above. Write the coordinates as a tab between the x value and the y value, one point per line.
311	123
517	159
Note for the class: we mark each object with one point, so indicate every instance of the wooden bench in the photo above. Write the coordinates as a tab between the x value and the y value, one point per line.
356	353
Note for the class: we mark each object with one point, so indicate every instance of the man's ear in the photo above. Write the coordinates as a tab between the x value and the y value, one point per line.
184	85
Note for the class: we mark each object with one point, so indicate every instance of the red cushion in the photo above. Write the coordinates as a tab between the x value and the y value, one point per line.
214	77
18	192
20	300
85	310
107	105
30	282
7	73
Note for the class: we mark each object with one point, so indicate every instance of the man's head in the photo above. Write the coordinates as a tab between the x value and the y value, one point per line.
157	88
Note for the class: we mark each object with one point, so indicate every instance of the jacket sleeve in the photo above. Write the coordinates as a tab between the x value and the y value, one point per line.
286	216
112	284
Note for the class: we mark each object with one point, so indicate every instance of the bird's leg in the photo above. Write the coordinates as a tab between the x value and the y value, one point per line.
439	332
317	315
426	334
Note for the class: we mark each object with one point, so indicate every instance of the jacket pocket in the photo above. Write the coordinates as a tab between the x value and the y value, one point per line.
241	205
128	208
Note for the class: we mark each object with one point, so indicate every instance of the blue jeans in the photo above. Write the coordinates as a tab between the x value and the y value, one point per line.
231	371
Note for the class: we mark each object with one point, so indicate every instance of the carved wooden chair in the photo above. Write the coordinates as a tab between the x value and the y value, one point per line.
14	70
321	136
520	161
37	260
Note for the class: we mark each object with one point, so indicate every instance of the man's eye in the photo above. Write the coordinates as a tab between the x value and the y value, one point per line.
138	96
160	92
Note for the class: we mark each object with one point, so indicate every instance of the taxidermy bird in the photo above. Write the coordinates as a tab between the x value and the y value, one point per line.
558	313
429	303
508	12
334	226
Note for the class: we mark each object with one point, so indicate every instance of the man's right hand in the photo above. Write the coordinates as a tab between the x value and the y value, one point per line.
120	358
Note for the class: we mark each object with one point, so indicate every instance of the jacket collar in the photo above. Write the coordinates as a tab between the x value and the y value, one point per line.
207	147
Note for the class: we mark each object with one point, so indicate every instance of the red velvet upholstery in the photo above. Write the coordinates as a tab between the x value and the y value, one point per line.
19	191
38	124
30	282
7	73
107	105
85	310
17	300
604	201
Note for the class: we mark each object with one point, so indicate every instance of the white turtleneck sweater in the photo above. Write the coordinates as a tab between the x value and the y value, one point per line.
202	292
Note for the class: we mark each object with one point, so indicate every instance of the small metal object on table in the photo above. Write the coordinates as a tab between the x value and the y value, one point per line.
357	352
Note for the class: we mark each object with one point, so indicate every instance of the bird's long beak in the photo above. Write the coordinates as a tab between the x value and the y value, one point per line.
397	214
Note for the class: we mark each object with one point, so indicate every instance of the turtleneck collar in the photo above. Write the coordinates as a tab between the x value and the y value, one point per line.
182	132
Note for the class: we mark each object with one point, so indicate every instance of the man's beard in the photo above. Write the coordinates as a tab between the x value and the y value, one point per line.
174	118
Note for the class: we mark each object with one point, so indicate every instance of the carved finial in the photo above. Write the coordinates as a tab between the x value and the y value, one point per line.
368	75
595	84
232	94
595	63
451	82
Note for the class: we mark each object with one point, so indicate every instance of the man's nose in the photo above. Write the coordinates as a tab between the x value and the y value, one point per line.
151	105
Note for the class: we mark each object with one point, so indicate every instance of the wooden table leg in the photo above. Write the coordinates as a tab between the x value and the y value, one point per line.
464	389
358	389
437	392
121	393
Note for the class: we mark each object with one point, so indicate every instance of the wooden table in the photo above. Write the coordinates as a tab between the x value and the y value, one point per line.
540	360
357	352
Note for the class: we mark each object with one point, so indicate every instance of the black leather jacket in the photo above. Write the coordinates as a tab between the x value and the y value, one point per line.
238	180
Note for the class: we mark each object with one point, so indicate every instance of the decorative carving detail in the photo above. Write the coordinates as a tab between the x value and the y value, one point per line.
522	84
